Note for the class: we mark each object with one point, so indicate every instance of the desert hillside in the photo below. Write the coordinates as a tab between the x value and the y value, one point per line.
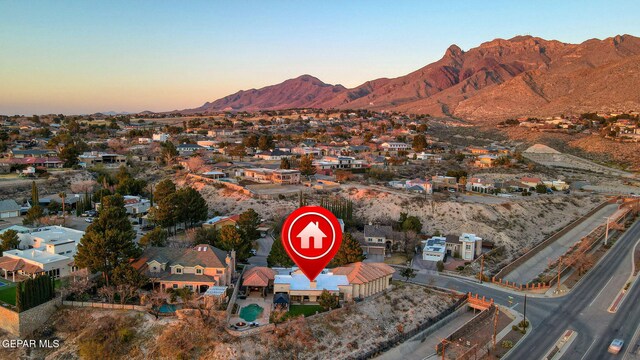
521	76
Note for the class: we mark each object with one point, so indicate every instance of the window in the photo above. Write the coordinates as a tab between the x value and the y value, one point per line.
218	271
175	286
178	271
468	247
199	271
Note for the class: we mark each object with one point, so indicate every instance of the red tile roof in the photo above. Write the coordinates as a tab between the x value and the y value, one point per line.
361	273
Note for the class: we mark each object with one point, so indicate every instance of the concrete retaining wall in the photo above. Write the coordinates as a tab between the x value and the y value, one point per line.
24	323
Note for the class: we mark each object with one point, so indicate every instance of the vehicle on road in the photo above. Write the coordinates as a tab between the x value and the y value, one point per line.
616	346
89	220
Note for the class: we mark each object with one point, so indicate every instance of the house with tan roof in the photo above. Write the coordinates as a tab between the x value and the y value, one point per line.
259	278
197	268
353	281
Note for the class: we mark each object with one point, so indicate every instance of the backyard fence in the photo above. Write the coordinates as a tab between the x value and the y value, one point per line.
234	296
105	305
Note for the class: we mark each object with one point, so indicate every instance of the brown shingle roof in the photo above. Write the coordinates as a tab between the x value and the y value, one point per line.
204	255
361	273
258	276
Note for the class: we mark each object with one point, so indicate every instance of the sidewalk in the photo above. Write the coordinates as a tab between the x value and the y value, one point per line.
418	349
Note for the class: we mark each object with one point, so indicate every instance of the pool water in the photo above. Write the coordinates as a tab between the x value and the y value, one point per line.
167	309
251	312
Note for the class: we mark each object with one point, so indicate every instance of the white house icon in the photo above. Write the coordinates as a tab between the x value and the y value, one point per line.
311	231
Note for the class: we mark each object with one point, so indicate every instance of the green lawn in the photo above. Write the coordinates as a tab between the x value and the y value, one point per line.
306	310
8	293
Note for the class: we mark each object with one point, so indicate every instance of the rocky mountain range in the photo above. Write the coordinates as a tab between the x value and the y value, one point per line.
521	76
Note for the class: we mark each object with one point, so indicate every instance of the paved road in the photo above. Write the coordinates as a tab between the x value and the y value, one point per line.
530	269
264	247
583	309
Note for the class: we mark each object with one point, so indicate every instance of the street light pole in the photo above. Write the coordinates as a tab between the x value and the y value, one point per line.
525	310
606	233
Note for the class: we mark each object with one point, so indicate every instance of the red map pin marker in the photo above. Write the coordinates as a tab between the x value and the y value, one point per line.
312	236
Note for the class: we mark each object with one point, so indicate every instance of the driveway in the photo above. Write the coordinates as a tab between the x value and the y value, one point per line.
264	247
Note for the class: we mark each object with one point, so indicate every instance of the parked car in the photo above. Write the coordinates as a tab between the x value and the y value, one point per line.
89	220
616	346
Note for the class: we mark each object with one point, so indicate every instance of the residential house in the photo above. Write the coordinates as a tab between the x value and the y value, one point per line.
465	246
218	222
198	268
354	281
434	248
379	239
188	148
32	153
440	182
161	137
556	184
479	185
91	158
485	161
9	209
274	155
531	182
48	250
328	164
430	158
277	176
419	185
395	146
38	162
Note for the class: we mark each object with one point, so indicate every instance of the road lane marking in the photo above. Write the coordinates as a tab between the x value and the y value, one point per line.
514	306
600	292
589	348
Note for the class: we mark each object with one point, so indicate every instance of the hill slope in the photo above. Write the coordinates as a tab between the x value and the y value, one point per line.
501	78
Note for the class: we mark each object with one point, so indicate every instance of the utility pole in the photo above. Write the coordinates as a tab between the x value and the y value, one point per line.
481	268
606	233
525	310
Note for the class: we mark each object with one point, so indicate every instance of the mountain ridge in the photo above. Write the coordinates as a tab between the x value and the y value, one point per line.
545	76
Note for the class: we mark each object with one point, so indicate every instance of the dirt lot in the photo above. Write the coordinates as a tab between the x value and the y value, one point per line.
86	332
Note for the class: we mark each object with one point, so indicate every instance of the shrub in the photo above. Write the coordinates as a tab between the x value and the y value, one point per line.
507	344
440	266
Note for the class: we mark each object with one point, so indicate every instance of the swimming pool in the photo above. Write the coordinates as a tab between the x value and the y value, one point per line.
251	312
167	309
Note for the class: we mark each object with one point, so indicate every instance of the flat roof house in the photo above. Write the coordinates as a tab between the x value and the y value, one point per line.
434	249
47	250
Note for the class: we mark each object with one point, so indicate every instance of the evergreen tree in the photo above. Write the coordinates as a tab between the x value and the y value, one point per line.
285	164
419	142
163	189
328	300
205	235
108	241
306	165
230	239
33	215
349	252
9	240
156	237
248	225
278	256
19	296
191	206
35	197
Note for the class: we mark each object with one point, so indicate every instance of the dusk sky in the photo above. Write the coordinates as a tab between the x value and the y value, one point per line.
88	56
